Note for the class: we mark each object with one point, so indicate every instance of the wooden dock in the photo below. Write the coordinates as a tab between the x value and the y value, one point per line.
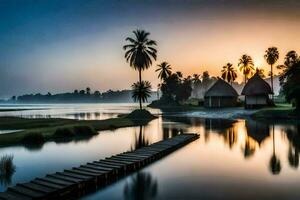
75	182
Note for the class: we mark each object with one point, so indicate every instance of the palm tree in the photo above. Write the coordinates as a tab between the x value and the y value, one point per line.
246	65
141	91
140	52
290	59
179	74
164	70
196	79
260	72
271	57
229	73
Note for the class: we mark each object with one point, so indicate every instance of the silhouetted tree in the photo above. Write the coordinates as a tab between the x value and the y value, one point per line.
290	82
141	91
184	89
164	70
261	72
97	93
196	79
75	91
82	92
139	52
229	73
271	57
246	66
88	91
179	74
291	58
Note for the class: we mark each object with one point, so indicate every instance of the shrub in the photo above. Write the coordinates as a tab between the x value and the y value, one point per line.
64	132
84	130
33	139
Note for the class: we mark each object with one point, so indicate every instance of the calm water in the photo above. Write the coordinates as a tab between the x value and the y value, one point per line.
70	111
233	159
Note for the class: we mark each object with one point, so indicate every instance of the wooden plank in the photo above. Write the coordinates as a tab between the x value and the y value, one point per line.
47	184
26	192
97	167
36	187
72	175
107	165
111	163
80	172
64	178
13	196
87	169
56	181
131	159
123	162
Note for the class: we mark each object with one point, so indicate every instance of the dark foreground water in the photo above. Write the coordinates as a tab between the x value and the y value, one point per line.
233	159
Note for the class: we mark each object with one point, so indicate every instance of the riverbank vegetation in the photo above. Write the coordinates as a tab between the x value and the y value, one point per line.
34	132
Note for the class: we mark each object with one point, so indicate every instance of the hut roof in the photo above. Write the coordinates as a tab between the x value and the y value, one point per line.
257	86
221	89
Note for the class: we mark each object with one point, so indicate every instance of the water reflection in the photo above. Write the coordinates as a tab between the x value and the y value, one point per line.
7	169
141	186
294	145
140	140
275	164
258	131
226	128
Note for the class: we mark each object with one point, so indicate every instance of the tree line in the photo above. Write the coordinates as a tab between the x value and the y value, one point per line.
141	51
78	96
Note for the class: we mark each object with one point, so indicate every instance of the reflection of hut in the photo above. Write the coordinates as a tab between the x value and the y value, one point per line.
256	92
257	130
221	94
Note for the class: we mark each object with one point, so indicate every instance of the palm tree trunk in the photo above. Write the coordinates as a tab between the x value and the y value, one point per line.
245	78
272	82
140	79
273	139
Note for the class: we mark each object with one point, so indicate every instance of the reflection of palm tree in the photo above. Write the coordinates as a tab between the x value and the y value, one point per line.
293	156
271	57
140	51
141	91
164	70
230	137
249	148
246	66
275	165
229	73
141	187
140	140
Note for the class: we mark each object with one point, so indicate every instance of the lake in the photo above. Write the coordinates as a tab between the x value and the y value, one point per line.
233	159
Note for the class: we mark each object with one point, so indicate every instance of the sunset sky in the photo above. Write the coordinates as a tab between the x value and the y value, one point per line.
62	45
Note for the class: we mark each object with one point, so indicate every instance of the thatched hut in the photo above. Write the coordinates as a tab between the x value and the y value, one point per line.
257	92
220	94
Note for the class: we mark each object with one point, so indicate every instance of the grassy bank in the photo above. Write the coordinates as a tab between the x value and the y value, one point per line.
280	112
37	131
